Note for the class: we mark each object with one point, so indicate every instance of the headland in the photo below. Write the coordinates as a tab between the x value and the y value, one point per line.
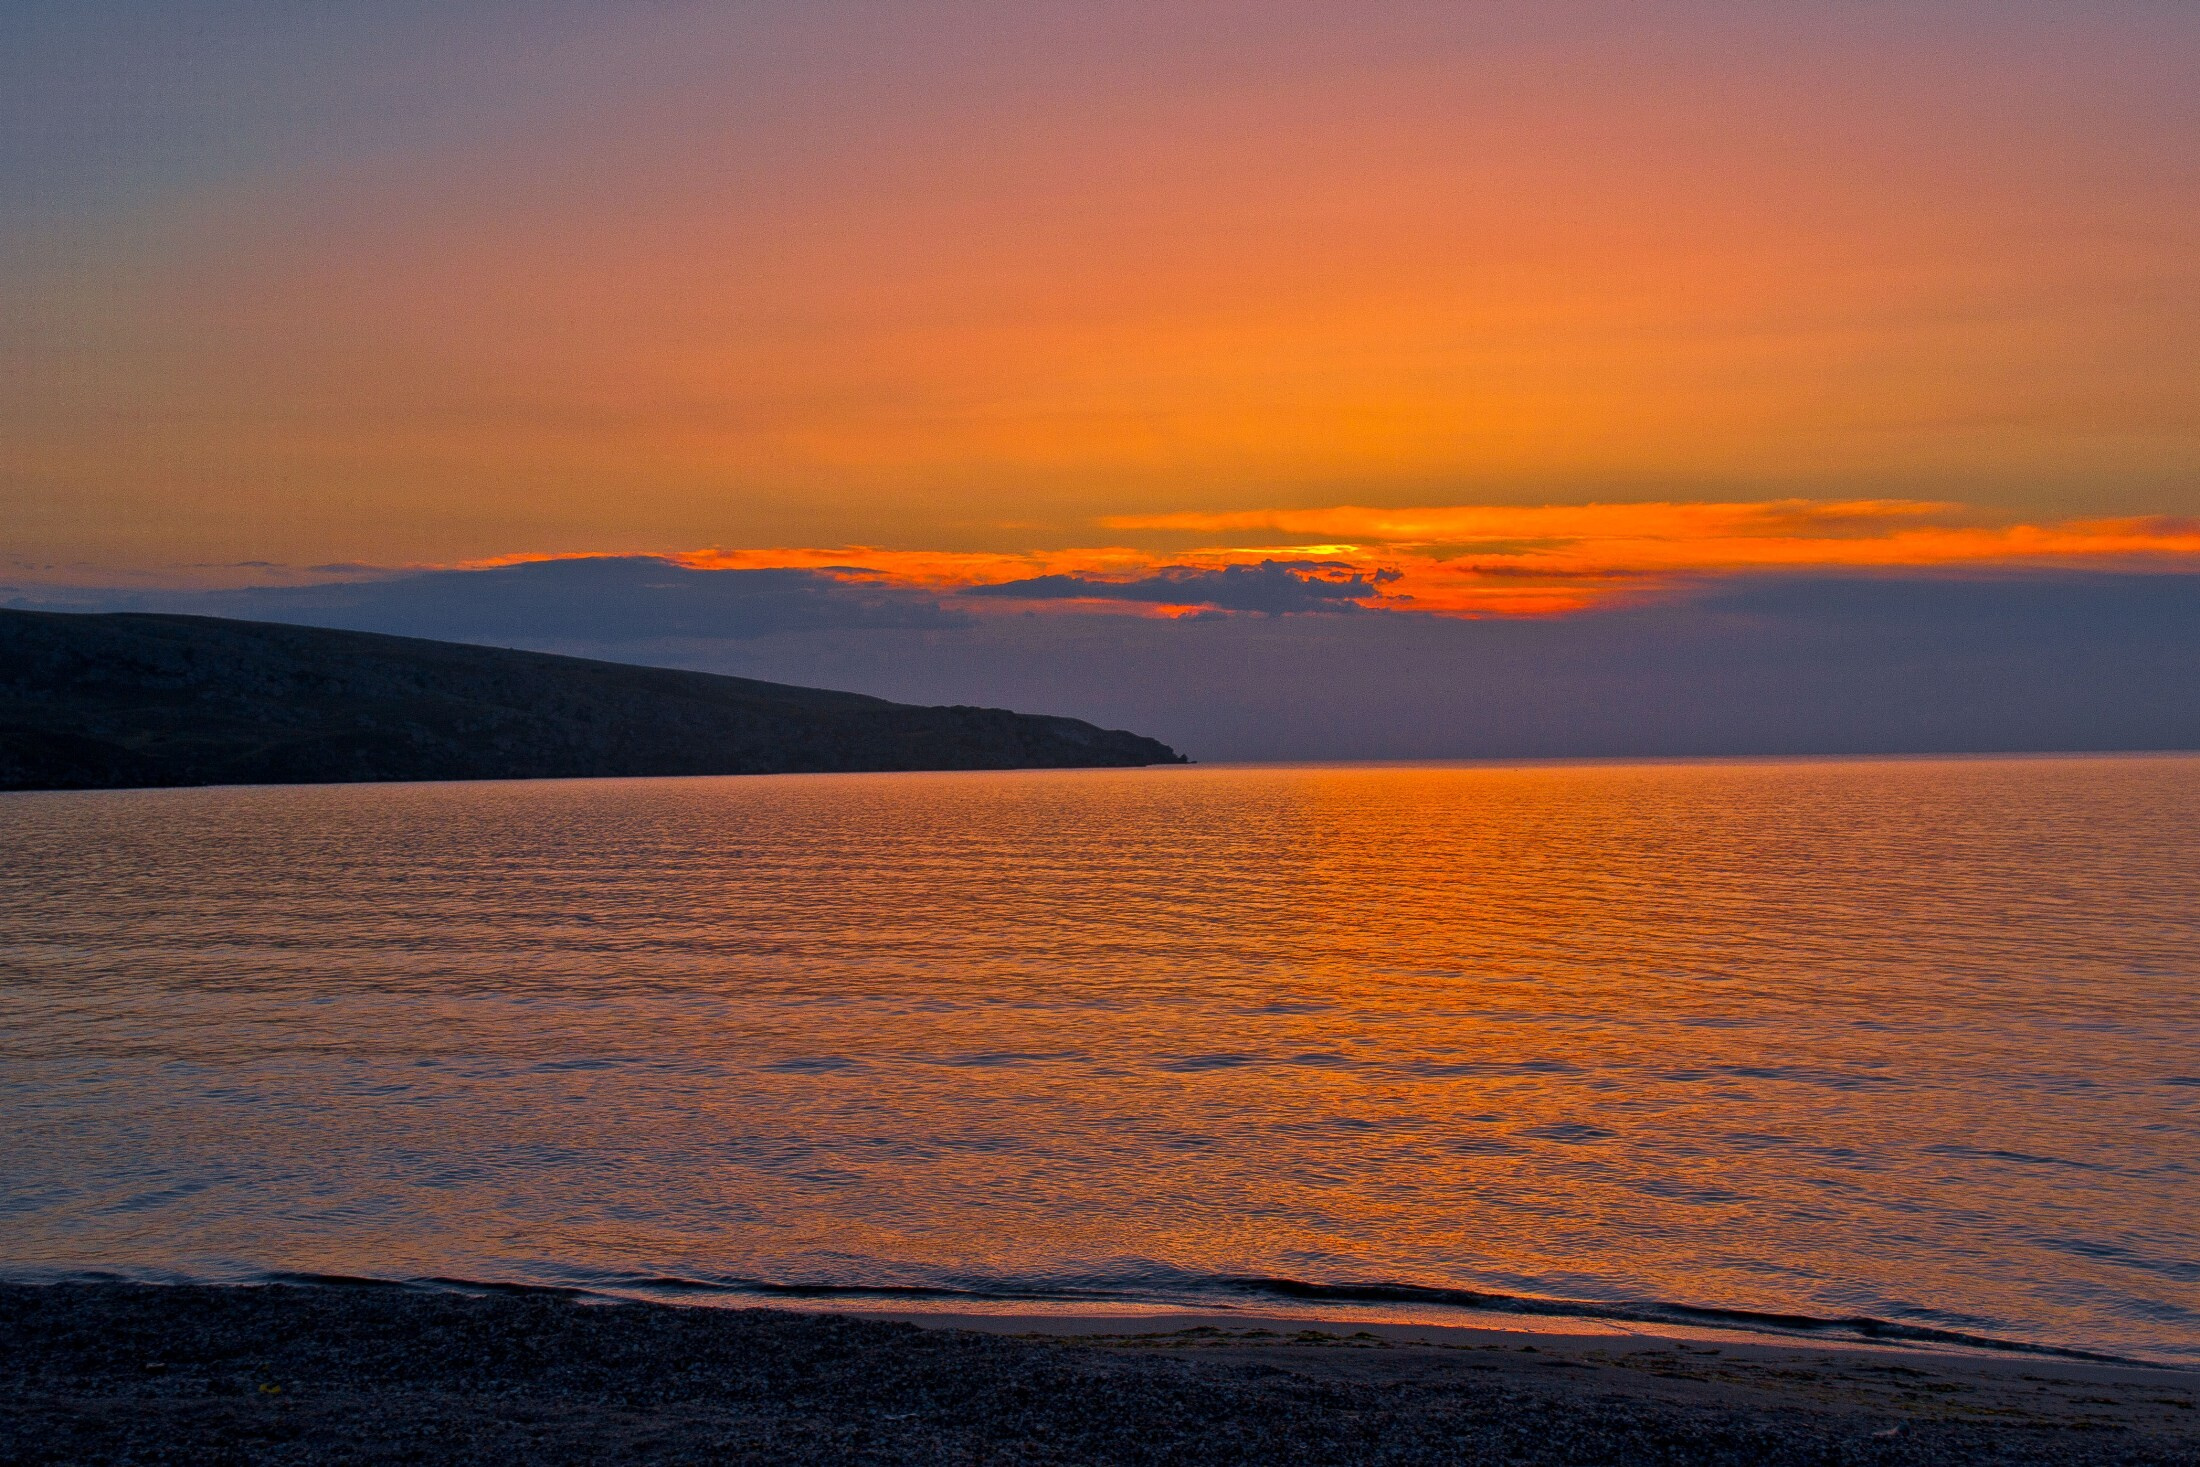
121	700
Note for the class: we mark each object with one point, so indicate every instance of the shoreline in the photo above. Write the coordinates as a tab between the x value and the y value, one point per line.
1438	1323
122	1372
1489	1329
1429	1312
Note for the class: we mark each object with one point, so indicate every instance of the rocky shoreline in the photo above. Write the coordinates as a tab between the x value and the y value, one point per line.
126	1373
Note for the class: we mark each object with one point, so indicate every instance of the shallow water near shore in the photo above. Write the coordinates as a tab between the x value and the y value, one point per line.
1910	1041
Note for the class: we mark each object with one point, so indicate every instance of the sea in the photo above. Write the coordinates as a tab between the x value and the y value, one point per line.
1849	1049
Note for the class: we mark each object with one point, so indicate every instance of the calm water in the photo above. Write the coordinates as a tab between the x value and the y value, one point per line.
1908	1040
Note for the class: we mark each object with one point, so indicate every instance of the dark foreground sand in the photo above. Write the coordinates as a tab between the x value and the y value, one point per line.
123	1373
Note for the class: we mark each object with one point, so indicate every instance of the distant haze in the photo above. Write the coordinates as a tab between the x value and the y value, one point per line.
1740	666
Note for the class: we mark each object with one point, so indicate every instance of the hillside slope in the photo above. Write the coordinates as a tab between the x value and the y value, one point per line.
102	701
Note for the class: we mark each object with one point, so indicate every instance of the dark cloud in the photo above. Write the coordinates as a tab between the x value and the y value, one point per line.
1276	587
599	600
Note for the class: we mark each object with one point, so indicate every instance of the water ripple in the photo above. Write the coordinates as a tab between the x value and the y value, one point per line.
1861	1046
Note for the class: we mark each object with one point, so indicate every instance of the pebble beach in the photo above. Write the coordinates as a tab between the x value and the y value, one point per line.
132	1373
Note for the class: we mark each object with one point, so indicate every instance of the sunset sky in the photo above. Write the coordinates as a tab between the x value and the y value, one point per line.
1101	313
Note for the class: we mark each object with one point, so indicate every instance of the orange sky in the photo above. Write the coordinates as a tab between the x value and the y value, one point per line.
983	288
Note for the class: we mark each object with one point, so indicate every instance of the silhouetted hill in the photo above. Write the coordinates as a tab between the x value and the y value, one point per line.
102	701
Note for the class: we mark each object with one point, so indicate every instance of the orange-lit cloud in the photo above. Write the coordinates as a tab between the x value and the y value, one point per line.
1483	560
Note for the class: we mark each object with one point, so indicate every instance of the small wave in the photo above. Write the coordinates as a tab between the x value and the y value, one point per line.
2020	1158
1571	1133
1193	1064
2181	1269
822	1064
1860	1327
1008	1059
1805	1075
1168	1288
431	1281
1447	1069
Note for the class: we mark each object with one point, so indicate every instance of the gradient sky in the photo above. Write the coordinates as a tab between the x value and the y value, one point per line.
1472	309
